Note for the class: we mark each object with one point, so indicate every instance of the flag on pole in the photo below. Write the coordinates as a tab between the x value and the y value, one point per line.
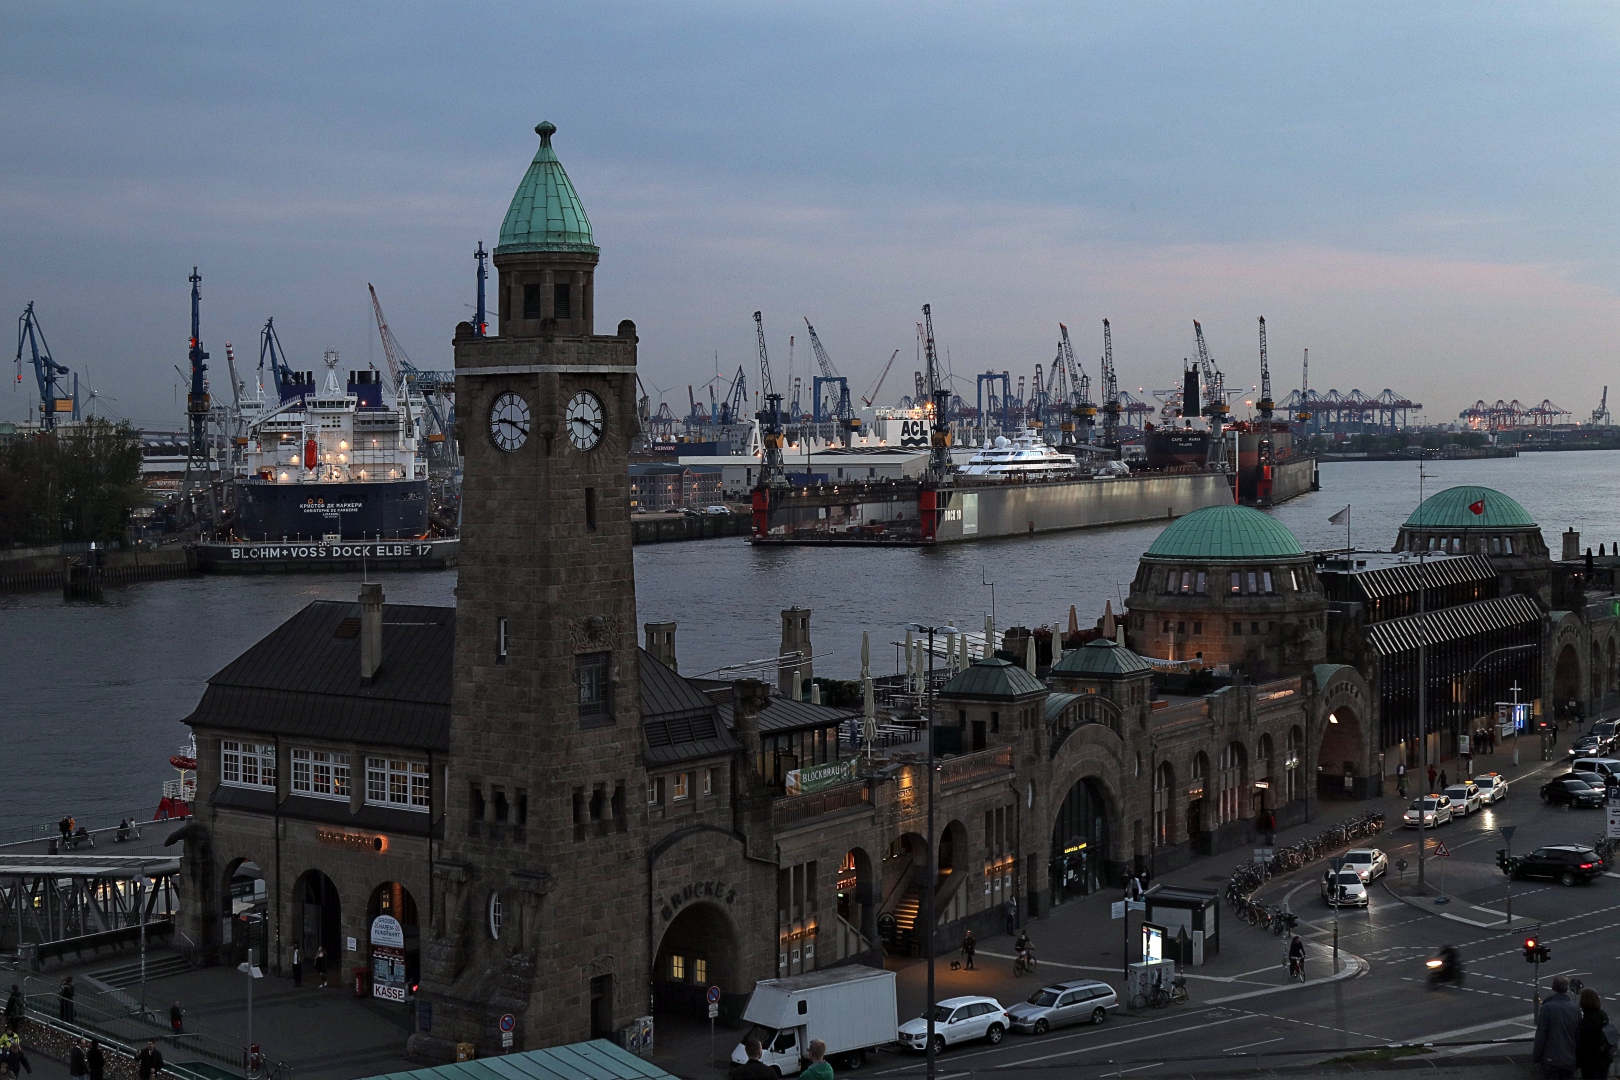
1341	517
1477	507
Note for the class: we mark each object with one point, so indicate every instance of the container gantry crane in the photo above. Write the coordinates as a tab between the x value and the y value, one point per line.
47	372
841	410
770	417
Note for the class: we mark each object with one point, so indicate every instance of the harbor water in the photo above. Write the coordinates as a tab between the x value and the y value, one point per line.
94	693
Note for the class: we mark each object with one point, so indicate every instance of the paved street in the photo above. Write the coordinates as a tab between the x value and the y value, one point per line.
1241	1003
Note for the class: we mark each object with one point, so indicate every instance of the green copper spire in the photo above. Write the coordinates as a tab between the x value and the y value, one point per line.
546	214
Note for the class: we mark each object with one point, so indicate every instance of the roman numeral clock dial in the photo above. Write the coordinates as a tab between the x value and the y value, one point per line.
509	422
584	419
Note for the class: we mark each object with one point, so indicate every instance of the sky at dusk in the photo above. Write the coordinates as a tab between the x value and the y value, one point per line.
1422	195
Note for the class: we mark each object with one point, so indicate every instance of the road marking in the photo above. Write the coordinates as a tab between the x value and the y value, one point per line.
1113	970
1139	1068
1125	1042
1245	1046
1464	1031
1488	911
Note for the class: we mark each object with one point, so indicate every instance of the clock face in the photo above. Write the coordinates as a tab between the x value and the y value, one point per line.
509	422
584	418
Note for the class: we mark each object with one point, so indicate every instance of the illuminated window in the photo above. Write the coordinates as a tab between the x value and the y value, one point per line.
700	971
677	968
245	764
319	773
682	781
391	782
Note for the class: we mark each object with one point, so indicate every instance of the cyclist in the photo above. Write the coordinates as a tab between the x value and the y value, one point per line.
1025	950
1296	959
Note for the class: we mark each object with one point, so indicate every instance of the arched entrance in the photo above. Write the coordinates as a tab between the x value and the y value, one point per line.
1294	763
1264	770
698	950
1078	863
857	904
244	905
395	957
1196	823
1340	760
1567	683
1164	785
905	869
318	921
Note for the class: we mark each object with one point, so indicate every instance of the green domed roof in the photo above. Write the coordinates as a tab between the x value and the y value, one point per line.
546	214
1450	509
1226	532
995	678
1101	657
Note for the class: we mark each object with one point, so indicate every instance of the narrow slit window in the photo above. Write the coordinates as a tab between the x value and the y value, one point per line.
531	301
560	304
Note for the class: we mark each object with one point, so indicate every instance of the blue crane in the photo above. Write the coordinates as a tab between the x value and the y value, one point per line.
481	323
839	408
289	384
47	372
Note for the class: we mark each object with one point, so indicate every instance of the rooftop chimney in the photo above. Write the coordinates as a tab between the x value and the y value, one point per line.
371	602
661	643
749	698
795	653
1572	544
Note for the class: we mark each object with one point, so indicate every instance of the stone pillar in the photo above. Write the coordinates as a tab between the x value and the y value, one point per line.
1572	544
661	643
795	653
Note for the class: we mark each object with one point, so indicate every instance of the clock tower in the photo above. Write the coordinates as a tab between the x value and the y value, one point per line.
541	881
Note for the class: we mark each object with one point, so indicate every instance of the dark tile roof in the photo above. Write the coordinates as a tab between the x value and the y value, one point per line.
785	714
678	721
303	680
994	678
1101	657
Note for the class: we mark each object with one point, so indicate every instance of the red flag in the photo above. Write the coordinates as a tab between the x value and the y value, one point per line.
1478	508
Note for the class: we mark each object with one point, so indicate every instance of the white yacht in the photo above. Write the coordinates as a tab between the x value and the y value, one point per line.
1026	457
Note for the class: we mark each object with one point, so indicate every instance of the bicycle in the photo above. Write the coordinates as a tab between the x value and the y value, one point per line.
1023	963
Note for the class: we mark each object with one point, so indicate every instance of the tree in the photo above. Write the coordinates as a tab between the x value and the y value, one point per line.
74	485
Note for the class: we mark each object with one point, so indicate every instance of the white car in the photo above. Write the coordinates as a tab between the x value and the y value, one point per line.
958	1020
1368	863
1344	889
1493	787
1427	812
717	511
1465	798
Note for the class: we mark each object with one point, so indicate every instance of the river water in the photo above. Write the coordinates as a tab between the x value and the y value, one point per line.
91	695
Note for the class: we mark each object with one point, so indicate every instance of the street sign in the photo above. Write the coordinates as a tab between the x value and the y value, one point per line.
508	1022
1507	832
713	996
1400	866
1118	909
1441	850
714	1009
1613	831
1136	905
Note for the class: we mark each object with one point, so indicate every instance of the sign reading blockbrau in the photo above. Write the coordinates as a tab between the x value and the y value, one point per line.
816	777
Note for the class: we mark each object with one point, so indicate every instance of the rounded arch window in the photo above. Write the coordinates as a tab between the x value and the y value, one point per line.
495	915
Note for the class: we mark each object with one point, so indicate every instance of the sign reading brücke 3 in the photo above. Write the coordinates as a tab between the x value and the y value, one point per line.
718	891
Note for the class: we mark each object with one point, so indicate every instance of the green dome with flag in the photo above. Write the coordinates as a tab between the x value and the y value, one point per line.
1227	531
546	214
1470	507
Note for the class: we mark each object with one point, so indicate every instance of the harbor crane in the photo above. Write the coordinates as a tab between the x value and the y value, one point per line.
1110	389
197	399
1215	406
939	458
407	377
47	372
288	383
1084	408
772	436
1600	415
1304	414
867	399
1265	404
840	410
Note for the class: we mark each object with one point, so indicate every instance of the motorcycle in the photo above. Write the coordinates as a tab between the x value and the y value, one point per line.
1447	967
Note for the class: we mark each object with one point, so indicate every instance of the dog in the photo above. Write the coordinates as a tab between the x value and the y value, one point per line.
956	965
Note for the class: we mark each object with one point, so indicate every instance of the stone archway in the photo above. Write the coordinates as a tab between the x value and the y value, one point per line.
858	900
905	869
1342	754
244	905
318	922
1566	682
1078	864
698	950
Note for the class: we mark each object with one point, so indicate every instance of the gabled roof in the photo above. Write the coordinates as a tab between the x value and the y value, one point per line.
546	214
786	714
1101	657
303	679
1226	531
1450	509
678	721
994	678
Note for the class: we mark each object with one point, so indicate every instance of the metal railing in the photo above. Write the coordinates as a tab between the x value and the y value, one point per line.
28	834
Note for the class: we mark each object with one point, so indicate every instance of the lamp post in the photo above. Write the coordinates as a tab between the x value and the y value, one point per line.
929	918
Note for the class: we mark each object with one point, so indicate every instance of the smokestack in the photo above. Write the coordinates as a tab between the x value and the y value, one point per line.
661	643
371	602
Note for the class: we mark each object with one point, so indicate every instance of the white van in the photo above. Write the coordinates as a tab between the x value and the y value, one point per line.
851	1009
1603	766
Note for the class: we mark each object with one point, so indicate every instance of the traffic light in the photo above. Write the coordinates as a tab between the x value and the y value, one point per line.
1501	859
1534	951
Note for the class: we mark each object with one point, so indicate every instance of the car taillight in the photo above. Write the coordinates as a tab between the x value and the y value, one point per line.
1586	866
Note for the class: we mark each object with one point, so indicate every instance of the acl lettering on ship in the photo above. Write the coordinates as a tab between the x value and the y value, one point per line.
914	433
698	890
318	552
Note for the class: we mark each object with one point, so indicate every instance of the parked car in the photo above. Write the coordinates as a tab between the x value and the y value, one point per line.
1563	863
1493	787
717	511
1588	746
1603	765
958	1020
1465	798
1368	863
1063	1003
1344	888
1427	812
1597	780
1577	793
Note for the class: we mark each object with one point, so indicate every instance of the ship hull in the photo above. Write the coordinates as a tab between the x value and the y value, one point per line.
360	556
910	513
1285	475
374	510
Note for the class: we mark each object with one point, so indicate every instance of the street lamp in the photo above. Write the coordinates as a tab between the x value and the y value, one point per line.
252	971
933	868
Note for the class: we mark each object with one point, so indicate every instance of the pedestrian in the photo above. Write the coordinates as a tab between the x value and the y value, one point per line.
78	1067
64	999
96	1061
1431	776
1557	1026
63	827
15	1007
819	1069
1594	1053
177	1017
298	967
967	950
1400	779
1012	917
753	1068
149	1062
320	964
1133	889
16	1060
1444	783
